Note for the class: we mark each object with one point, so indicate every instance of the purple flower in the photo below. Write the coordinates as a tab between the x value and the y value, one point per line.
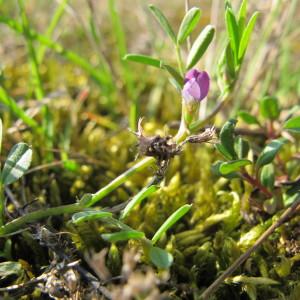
196	86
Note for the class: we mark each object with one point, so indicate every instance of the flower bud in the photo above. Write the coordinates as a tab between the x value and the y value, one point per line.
196	86
195	89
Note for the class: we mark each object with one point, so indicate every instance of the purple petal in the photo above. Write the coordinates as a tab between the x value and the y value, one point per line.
191	91
203	81
193	73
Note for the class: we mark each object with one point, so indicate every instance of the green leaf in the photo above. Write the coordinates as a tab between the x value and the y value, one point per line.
173	72
227	137
247	117
246	35
150	61
143	59
269	152
233	166
292	124
178	214
8	268
241	147
1	134
230	64
162	20
233	32
188	24
267	176
175	84
89	215
71	165
138	198
242	16
160	258
123	236
269	107
215	169
223	151
17	163
200	45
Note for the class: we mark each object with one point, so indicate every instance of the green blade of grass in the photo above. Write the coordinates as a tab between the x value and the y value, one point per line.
16	110
53	23
34	67
36	80
127	75
71	56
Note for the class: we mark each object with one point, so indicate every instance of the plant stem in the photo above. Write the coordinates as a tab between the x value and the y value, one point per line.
179	60
73	57
53	23
2	204
18	223
224	98
34	66
120	180
284	217
17	111
254	182
188	40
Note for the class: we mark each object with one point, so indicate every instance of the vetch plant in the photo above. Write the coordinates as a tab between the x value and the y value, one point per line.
161	149
255	165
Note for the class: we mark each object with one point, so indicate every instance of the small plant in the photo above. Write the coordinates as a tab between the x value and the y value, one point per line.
253	163
194	87
15	166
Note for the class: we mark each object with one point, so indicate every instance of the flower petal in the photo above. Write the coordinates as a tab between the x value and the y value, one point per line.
203	81
193	73
191	90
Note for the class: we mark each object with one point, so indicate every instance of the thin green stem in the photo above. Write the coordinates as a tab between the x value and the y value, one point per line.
20	222
179	60
53	23
36	80
17	111
35	74
2	204
222	100
127	74
59	49
146	162
188	40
